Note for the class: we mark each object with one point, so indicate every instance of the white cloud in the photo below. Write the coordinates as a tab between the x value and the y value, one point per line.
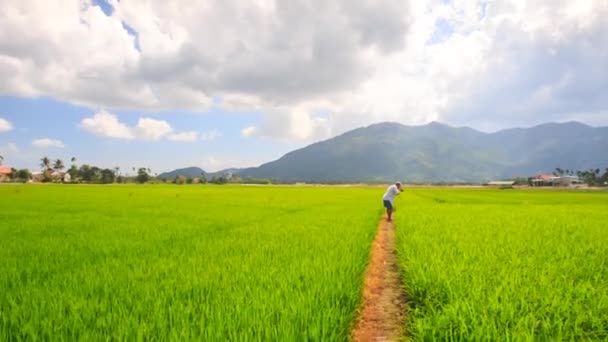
249	131
151	129
481	63
5	125
286	123
47	143
107	125
189	136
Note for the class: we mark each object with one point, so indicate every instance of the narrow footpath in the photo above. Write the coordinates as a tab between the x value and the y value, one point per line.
382	312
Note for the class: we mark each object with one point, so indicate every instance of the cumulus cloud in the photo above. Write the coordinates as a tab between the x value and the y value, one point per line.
185	55
290	124
47	143
535	61
106	124
481	63
5	125
152	129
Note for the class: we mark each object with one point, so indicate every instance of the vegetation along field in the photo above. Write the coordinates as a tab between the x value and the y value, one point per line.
287	263
171	262
505	264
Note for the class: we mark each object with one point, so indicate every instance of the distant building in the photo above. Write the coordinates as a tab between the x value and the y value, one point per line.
568	181
55	176
553	180
543	180
5	173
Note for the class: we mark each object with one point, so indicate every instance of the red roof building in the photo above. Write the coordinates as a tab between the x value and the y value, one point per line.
5	170
546	177
553	180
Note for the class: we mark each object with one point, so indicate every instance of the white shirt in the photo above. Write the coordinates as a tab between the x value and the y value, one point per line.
390	193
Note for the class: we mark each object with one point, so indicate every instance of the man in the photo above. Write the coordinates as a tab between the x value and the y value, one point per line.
389	199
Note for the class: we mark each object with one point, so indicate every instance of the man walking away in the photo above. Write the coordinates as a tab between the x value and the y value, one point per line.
389	199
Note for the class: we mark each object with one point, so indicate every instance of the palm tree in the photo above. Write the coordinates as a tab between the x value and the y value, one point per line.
58	165
1	159
45	163
73	160
117	170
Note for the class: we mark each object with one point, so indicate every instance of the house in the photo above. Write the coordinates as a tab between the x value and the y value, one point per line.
568	181
544	180
5	173
55	176
553	180
37	176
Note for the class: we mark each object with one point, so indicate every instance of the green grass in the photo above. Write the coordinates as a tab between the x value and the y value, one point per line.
182	262
286	263
504	264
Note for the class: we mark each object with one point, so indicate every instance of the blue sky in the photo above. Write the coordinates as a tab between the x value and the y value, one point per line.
221	84
39	118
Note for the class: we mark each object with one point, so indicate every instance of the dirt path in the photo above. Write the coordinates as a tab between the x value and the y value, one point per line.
382	313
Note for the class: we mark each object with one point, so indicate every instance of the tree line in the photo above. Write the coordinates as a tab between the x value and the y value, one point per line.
591	177
53	172
218	179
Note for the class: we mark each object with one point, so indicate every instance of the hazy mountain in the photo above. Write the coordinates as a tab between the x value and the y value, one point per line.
437	152
186	172
197	172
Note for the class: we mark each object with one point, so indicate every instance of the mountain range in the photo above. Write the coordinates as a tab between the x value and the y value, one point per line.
195	171
437	152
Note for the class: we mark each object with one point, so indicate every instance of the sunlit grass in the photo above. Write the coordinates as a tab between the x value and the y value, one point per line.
182	262
505	264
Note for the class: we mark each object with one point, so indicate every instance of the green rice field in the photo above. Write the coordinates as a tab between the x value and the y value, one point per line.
505	264
182	262
271	263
